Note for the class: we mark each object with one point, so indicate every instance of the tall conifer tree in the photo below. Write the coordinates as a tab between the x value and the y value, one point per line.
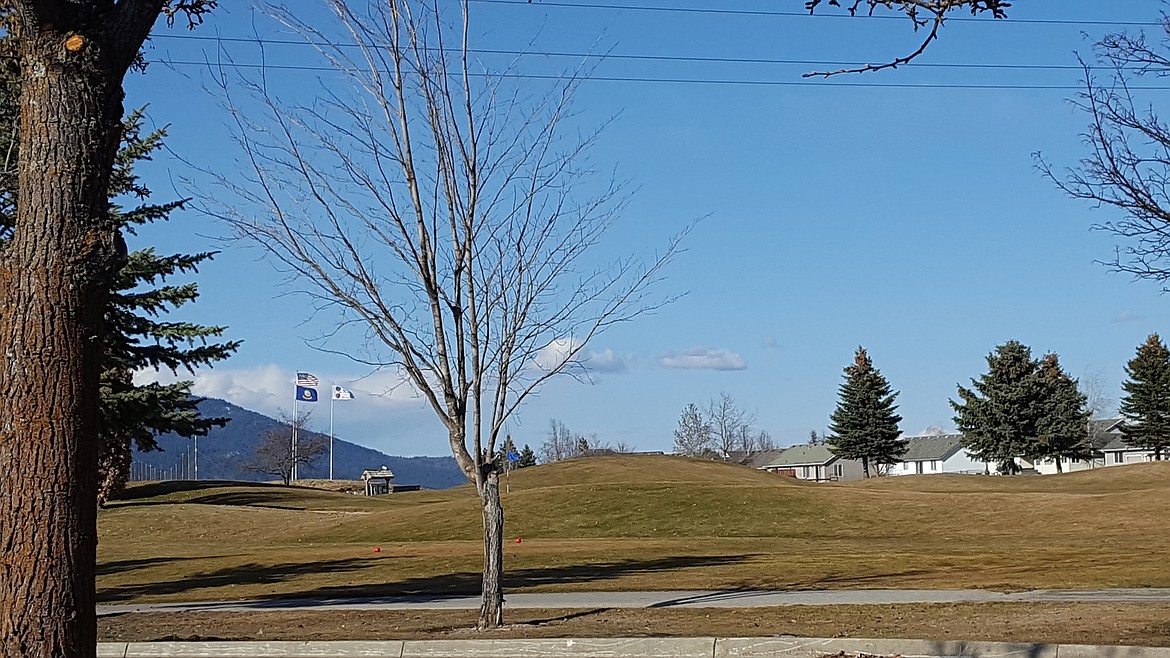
527	457
1146	403
865	426
1000	417
1063	429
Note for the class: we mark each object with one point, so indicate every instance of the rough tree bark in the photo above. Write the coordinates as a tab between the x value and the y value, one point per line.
491	610
55	275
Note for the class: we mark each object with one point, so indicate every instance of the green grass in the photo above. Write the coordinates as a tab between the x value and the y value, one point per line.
643	522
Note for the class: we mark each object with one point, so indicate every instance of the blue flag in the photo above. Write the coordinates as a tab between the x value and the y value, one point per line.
306	394
513	457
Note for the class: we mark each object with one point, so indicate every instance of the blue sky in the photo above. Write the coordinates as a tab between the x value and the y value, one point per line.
898	210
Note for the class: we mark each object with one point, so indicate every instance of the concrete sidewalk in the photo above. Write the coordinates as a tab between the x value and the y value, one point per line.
699	647
668	599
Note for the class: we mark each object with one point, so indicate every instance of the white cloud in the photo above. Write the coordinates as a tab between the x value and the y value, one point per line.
269	388
702	358
1128	317
606	361
558	351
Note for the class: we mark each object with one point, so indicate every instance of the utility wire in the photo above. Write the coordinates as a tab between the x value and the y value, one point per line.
647	58
689	81
805	14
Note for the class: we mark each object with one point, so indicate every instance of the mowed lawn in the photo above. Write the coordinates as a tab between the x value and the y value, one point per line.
643	522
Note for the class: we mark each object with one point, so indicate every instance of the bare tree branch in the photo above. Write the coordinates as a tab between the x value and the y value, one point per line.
923	14
1127	168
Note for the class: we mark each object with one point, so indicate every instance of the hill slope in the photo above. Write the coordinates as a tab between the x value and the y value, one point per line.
225	450
643	522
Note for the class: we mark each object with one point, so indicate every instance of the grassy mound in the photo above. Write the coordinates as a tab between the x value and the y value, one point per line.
653	522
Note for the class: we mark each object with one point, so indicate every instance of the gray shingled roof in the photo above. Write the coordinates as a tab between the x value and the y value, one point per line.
929	448
1105	433
1114	445
802	456
762	459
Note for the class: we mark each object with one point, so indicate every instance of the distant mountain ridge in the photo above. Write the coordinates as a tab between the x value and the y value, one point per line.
225	450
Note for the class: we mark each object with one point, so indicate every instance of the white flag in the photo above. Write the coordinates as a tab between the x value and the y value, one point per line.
340	393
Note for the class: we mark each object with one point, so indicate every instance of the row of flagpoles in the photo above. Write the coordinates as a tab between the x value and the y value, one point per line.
306	391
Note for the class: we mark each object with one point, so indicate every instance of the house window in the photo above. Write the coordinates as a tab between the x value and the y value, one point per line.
918	468
808	472
838	470
934	467
1117	458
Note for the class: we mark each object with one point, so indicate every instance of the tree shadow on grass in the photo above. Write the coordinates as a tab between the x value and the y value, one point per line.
153	489
122	566
465	583
255	494
415	589
242	574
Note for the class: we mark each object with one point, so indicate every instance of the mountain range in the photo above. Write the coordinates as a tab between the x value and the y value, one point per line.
224	452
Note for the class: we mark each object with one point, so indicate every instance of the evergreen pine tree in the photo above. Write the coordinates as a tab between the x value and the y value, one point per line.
865	426
527	457
135	339
502	462
1146	402
1000	417
1063	430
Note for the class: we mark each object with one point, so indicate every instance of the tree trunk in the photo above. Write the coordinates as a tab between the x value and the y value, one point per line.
114	458
865	466
54	280
491	611
1059	469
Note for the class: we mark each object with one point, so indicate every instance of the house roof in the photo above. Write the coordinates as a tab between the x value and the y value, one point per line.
762	459
1105	433
802	456
932	447
1114	445
379	473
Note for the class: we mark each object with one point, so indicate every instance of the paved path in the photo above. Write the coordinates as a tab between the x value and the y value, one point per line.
668	599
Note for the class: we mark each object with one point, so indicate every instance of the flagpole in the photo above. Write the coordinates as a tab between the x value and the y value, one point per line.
293	452
332	395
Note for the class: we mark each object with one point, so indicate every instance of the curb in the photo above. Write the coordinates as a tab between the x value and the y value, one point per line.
694	647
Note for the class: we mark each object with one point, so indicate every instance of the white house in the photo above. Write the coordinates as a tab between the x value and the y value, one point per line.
1105	436
814	463
1117	452
936	453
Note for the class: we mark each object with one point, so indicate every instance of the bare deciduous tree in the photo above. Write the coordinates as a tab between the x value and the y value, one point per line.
1127	168
450	219
560	443
692	437
732	429
274	453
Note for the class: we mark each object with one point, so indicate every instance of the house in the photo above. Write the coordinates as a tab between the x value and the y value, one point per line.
936	453
1105	435
815	463
1118	452
378	481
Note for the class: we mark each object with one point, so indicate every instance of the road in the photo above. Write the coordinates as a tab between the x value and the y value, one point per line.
666	599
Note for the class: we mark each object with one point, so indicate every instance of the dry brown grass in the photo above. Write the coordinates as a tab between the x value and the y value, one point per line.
644	522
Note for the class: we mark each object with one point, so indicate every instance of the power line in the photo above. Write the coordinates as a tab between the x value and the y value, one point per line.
689	81
691	59
778	13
